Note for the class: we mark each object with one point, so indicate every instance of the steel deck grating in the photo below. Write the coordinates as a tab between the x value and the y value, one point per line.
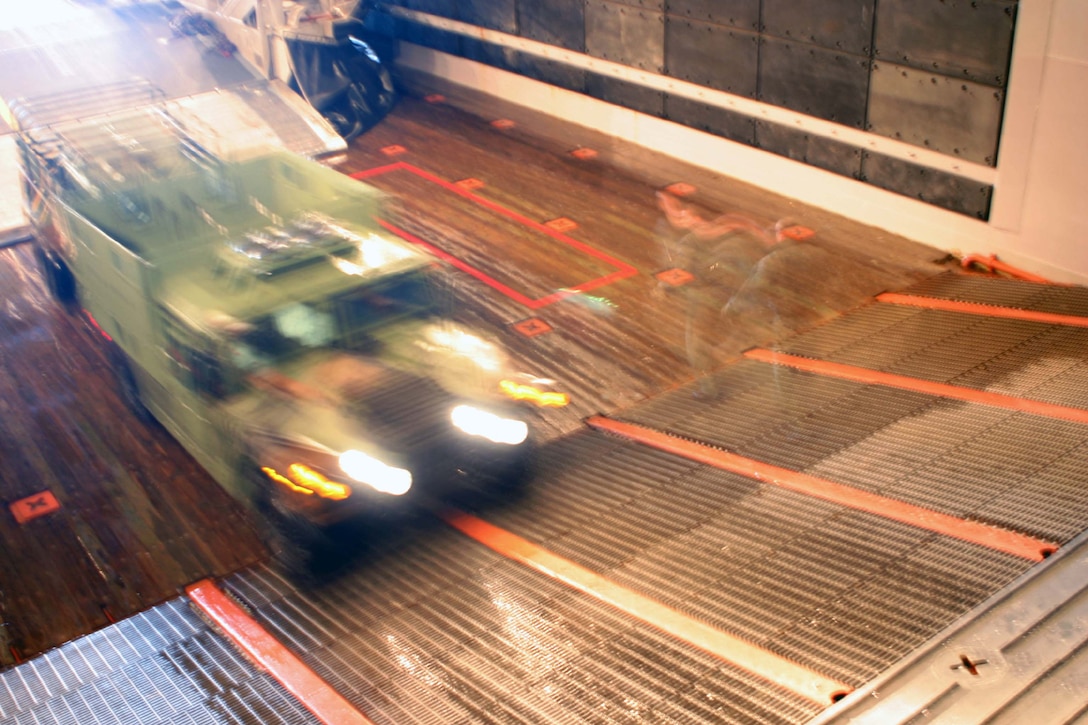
763	561
1024	359
505	644
163	665
1057	299
957	457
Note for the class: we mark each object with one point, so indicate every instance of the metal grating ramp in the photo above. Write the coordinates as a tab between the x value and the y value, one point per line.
842	591
1026	359
1058	299
1023	657
161	666
452	632
1013	469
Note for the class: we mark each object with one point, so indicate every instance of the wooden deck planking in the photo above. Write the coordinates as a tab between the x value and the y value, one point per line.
138	518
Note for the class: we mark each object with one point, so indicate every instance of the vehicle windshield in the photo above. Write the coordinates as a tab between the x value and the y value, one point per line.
345	322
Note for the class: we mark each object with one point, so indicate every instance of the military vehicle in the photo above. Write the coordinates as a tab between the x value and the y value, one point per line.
252	304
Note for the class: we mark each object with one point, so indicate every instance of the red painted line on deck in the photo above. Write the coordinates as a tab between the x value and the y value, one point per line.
316	695
463	266
944	390
992	537
977	308
776	669
623	270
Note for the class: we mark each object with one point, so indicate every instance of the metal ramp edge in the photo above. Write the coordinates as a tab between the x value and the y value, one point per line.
165	665
1020	656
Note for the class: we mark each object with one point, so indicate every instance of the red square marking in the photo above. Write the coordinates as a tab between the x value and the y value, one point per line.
532	327
434	98
394	150
31	507
797	233
675	276
562	224
680	189
469	184
503	123
583	153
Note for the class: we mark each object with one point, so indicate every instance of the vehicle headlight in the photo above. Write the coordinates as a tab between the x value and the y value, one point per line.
379	476
488	425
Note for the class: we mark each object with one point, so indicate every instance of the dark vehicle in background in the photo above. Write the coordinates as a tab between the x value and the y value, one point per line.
321	48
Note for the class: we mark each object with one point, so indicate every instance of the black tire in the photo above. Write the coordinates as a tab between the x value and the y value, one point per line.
300	549
127	385
58	278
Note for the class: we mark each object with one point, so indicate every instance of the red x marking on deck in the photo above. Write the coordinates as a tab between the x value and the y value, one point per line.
680	189
32	507
532	327
562	224
675	276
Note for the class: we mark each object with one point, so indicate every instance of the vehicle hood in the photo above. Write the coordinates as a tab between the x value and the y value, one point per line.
332	401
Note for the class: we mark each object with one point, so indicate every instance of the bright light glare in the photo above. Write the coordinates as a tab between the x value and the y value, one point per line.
488	425
485	354
379	476
23	15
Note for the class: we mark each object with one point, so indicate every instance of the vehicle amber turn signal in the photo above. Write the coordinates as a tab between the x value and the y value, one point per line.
305	480
544	399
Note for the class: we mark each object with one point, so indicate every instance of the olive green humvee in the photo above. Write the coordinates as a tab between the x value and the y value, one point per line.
254	306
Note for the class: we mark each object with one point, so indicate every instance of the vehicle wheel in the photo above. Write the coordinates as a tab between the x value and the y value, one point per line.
344	122
58	278
127	385
301	550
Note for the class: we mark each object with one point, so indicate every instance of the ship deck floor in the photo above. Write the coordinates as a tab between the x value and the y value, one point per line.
552	236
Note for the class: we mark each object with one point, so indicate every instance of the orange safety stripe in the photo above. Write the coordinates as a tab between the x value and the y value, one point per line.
766	664
944	390
992	537
264	650
977	308
994	264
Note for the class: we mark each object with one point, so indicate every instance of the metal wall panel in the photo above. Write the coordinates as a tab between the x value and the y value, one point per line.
742	14
556	22
934	187
960	38
489	53
629	95
713	119
428	37
823	153
712	55
817	81
624	34
498	15
952	116
445	8
654	5
550	71
845	25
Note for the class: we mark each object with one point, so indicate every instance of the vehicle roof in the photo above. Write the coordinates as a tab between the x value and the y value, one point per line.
221	236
